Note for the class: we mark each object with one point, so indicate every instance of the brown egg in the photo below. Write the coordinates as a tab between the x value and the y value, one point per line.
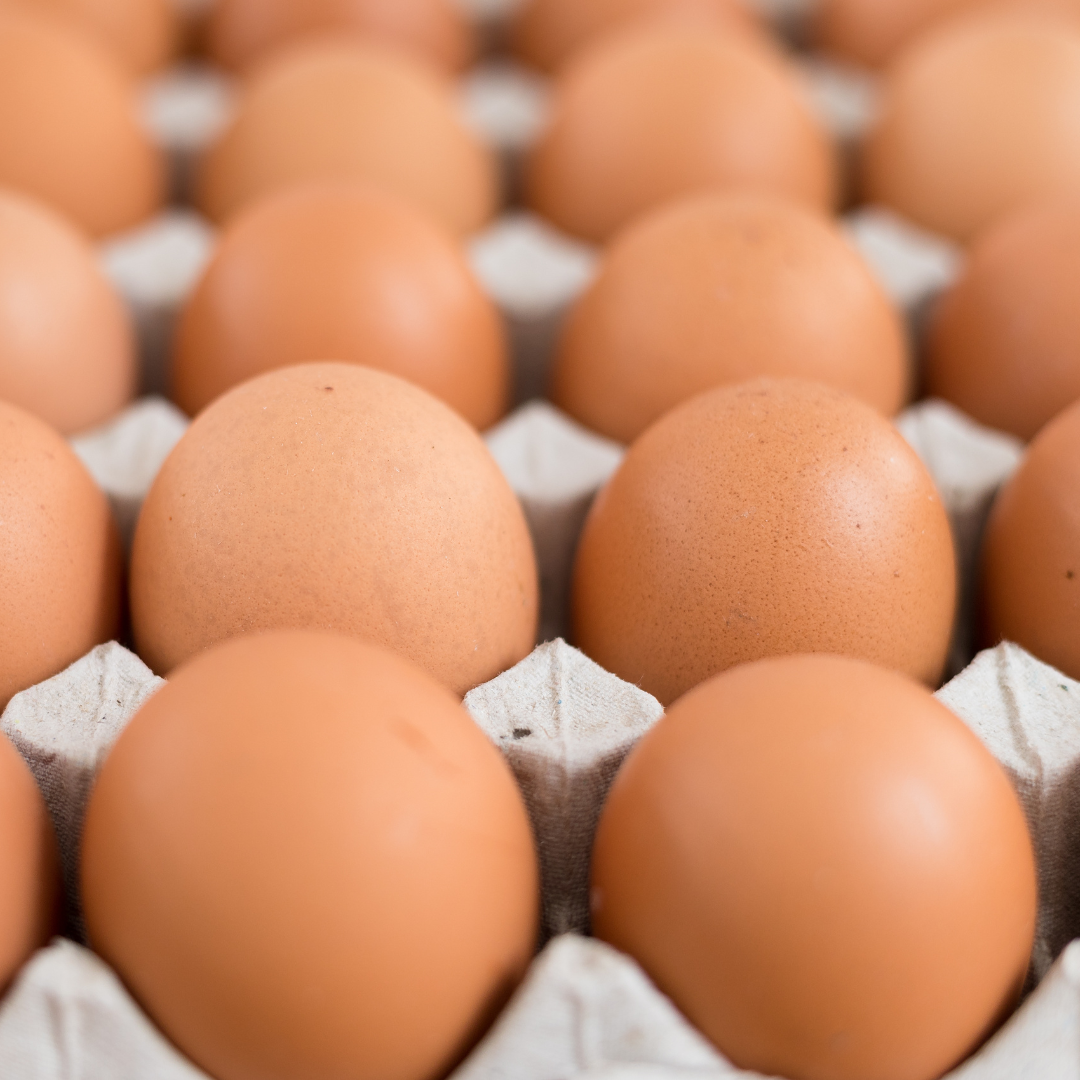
434	31
655	113
331	496
977	119
339	109
67	350
1031	553
29	868
1004	341
60	572
872	32
308	862
776	516
69	127
547	33
824	868
342	271
143	34
718	289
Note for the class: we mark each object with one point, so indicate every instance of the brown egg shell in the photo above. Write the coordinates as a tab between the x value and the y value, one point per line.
977	119
772	517
70	133
437	32
336	108
651	114
342	271
29	866
1003	341
548	33
824	868
60	560
306	861
67	348
1030	575
716	290
332	496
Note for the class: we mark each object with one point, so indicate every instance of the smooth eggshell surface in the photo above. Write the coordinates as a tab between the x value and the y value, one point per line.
143	34
308	863
70	133
772	517
547	33
824	868
1031	554
434	31
331	496
340	109
654	113
60	561
1004	341
29	869
349	273
67	348
717	290
976	119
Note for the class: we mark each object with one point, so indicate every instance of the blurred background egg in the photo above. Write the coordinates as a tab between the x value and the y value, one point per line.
70	132
659	112
308	862
60	562
874	32
824	869
67	349
437	32
776	516
548	33
340	109
718	289
977	119
349	273
332	496
29	867
143	34
1004	341
1031	552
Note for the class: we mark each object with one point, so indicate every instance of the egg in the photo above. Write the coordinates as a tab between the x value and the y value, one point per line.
342	271
340	109
437	32
717	289
67	349
824	869
142	33
771	517
659	112
60	562
975	120
29	868
307	861
70	133
332	496
1004	340
547	33
1030	575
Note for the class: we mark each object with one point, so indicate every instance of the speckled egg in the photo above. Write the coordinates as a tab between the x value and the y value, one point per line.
772	517
331	496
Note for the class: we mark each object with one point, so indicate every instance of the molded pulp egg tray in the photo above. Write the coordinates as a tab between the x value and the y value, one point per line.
564	724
